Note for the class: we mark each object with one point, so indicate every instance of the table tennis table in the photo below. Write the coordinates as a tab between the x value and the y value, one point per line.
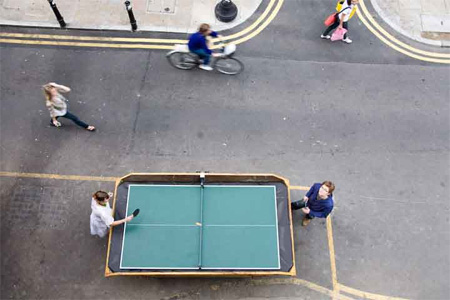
222	226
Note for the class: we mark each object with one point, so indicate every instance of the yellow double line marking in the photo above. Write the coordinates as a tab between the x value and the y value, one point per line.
246	34
391	41
137	43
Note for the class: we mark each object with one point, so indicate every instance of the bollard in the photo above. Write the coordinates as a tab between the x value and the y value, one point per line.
57	14
131	15
226	11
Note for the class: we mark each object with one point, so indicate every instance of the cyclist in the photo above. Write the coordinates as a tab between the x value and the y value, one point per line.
197	44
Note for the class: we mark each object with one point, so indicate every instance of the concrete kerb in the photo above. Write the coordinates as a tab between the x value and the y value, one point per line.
189	14
385	17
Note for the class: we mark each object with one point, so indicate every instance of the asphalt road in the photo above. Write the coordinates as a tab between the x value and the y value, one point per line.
364	116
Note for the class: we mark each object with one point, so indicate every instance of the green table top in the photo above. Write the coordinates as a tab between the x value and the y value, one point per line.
239	229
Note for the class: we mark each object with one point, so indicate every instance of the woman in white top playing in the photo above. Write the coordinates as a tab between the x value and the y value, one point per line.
101	216
341	20
57	106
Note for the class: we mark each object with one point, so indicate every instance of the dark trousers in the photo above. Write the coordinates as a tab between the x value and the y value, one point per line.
203	55
298	205
334	25
74	118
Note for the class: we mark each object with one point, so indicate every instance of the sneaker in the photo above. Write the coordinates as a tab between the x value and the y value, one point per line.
347	40
205	67
305	221
327	37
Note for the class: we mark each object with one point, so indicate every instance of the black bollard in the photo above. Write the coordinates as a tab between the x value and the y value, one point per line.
226	11
131	15
57	14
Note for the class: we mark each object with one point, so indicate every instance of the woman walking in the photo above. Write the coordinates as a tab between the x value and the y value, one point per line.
57	106
346	11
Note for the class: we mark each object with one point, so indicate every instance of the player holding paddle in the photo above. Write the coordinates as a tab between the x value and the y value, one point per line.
101	216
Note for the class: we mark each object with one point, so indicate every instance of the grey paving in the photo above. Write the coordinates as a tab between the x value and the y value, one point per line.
424	21
151	15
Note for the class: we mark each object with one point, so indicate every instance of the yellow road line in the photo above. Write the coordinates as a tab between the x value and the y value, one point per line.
392	38
122	39
90	38
256	23
366	295
264	25
58	176
395	47
299	187
298	281
77	44
332	256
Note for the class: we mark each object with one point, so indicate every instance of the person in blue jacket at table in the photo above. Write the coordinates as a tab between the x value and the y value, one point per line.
197	44
317	203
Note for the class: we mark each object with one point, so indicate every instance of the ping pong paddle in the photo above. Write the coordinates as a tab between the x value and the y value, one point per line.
136	212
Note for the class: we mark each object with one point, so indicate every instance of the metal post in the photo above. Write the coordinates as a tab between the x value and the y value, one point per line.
226	11
57	14
131	15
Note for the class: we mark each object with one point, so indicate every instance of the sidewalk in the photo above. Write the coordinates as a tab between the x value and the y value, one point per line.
151	15
426	21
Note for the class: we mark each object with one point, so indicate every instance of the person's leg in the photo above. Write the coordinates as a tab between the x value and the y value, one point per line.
76	120
306	219
331	27
345	25
298	204
51	122
203	55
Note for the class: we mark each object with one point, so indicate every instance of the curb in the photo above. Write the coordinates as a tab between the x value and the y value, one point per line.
220	26
400	30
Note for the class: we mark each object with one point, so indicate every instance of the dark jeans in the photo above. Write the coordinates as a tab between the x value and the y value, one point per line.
203	55
334	25
300	204
74	118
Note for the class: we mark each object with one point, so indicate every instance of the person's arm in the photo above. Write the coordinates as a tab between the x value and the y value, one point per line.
51	109
311	191
61	88
211	42
205	46
118	222
343	14
322	214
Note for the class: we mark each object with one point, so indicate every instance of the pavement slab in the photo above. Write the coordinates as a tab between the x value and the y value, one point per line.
424	21
182	16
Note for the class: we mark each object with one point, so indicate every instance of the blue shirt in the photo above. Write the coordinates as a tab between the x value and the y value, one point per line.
318	208
197	41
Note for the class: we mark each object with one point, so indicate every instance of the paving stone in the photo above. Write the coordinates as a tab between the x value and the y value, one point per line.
158	15
436	23
414	17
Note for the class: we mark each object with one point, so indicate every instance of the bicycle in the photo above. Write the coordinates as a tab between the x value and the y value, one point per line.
225	63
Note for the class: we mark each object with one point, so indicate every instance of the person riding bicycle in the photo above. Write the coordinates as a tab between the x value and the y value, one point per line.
197	44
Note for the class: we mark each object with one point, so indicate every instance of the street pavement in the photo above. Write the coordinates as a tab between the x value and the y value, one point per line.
423	21
151	15
369	118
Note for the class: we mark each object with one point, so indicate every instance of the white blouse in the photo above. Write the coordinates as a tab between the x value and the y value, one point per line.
101	218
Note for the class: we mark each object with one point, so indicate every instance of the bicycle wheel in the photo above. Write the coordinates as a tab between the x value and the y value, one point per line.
229	66
182	60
